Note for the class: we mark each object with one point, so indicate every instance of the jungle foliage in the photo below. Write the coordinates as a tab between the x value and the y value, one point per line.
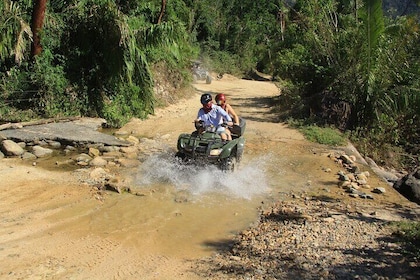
348	63
96	58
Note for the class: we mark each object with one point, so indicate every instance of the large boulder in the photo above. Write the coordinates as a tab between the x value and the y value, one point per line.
11	148
409	186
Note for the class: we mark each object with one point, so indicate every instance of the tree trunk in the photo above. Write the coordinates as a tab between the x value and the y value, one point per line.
162	11
38	15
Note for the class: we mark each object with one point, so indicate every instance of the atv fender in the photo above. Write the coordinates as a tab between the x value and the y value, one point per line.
240	148
231	146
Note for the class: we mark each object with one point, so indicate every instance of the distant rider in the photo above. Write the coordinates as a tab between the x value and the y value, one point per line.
213	115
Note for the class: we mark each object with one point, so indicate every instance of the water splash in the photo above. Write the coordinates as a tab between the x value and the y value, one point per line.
247	181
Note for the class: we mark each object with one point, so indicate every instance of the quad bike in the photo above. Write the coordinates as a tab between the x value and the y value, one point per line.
204	146
200	74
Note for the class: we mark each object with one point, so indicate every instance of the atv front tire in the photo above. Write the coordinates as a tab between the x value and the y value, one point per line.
208	79
180	156
228	164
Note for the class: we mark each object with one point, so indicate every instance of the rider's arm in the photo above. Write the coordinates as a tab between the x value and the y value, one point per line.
232	112
225	116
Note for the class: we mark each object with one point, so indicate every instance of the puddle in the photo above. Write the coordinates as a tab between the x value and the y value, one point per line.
185	211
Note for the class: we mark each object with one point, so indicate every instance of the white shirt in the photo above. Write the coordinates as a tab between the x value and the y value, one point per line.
215	117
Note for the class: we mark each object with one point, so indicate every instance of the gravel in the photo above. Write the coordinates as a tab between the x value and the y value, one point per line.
313	239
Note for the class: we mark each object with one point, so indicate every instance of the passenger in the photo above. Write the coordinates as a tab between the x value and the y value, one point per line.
221	101
212	115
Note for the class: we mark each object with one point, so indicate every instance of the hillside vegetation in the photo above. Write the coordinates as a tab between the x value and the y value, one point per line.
352	64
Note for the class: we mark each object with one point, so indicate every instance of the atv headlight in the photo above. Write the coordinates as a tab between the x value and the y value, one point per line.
216	152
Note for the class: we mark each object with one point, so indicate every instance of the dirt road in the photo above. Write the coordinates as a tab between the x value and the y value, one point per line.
49	220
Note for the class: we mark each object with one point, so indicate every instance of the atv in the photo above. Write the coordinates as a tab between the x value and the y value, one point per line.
204	146
199	73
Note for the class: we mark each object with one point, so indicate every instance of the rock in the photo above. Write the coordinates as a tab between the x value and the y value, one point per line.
98	161
343	177
132	139
351	177
111	156
409	186
83	158
361	176
386	175
40	152
354	168
371	162
54	144
1	155
69	149
365	195
344	184
99	174
93	152
39	142
22	145
10	148
346	159
106	149
362	182
28	156
379	190
116	186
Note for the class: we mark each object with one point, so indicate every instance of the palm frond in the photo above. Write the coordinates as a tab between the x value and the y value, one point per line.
372	15
21	42
15	32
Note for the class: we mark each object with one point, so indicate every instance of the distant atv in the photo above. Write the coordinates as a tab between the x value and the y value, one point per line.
199	73
204	146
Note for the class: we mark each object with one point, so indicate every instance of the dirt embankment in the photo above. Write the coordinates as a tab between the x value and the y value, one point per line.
50	221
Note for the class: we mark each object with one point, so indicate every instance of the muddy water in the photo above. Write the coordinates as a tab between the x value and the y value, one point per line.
189	211
179	211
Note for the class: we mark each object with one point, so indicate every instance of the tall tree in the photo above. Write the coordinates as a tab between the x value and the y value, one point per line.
38	16
162	11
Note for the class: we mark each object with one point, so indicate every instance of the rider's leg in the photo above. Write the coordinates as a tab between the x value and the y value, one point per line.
223	133
229	134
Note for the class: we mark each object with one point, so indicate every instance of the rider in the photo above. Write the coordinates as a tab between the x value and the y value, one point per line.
214	115
221	101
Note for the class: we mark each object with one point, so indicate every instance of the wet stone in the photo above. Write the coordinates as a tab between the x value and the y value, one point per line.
54	144
40	152
28	156
83	158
